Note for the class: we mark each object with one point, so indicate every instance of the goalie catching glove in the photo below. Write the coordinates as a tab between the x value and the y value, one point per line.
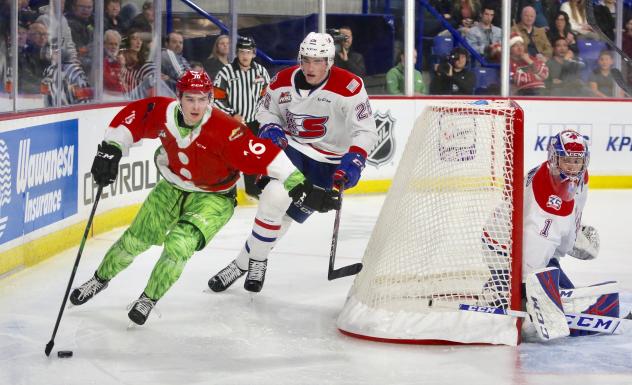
315	198
587	243
106	163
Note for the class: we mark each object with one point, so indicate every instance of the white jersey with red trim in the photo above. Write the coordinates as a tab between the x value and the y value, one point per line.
325	123
550	224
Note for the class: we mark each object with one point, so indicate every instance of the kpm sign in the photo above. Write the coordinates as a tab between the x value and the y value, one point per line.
38	177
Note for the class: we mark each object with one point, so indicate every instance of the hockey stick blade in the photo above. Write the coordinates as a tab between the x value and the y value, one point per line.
345	271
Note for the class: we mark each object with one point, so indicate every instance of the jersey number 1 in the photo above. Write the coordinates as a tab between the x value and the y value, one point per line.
547	225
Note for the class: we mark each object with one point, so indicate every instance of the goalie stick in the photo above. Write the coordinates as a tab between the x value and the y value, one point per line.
51	343
616	74
345	270
586	322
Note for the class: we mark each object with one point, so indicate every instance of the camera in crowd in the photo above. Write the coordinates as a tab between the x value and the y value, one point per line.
338	37
450	60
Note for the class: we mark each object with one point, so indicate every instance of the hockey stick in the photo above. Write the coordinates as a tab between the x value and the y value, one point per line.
586	322
51	343
345	270
616	74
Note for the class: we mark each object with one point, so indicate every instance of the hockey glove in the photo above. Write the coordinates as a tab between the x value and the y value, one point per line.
314	198
275	133
587	243
105	165
351	166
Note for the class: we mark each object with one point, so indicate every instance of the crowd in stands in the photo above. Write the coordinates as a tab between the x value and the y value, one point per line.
545	52
546	57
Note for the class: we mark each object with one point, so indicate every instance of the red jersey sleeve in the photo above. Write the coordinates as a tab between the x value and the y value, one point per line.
248	153
142	117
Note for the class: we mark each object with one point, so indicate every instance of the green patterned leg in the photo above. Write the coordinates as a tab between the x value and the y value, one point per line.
179	247
159	211
203	216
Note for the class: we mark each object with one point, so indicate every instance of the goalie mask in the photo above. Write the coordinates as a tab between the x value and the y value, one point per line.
318	45
568	161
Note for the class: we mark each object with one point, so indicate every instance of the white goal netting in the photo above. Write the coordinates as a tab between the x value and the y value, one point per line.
445	235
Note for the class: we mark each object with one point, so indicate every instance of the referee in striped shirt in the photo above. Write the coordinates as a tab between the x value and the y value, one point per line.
238	87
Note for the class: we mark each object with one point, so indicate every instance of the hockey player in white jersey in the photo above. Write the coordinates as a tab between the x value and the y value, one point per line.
554	198
321	116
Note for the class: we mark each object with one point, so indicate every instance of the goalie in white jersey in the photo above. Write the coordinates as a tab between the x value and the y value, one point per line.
554	198
321	116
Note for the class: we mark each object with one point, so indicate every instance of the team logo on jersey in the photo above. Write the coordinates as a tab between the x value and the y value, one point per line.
554	202
130	118
385	147
236	133
285	97
306	126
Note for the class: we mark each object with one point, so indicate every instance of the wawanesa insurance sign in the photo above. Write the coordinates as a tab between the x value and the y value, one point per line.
38	177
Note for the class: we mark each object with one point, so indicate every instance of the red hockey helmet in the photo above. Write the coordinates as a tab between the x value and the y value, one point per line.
194	81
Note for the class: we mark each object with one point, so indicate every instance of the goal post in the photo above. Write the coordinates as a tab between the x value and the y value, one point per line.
449	233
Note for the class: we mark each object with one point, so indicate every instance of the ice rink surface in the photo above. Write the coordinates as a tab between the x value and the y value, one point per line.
286	334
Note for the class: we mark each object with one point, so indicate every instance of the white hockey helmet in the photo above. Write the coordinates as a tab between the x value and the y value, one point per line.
318	45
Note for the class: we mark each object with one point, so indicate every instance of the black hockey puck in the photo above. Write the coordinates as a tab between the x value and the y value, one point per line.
64	353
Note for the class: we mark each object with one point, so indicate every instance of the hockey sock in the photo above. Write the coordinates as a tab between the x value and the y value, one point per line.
261	241
180	245
120	255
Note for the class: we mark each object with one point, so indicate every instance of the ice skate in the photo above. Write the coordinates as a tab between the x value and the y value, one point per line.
226	277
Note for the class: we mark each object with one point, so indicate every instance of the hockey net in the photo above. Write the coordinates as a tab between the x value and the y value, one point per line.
449	233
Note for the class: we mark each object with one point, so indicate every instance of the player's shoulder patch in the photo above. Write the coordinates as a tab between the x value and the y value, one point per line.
546	197
283	78
343	82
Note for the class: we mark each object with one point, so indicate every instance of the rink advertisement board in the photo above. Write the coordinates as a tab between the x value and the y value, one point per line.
38	170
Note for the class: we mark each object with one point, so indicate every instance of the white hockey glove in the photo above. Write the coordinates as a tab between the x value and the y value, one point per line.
587	243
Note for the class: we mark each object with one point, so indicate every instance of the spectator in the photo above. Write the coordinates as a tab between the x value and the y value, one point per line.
601	82
464	12
576	10
81	23
48	17
111	18
562	28
395	78
238	88
626	43
485	37
564	71
451	76
544	11
143	23
218	57
533	38
33	60
173	63
604	19
137	67
113	62
345	57
527	73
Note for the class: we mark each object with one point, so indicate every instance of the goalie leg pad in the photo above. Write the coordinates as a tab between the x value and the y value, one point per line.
605	305
544	304
564	282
